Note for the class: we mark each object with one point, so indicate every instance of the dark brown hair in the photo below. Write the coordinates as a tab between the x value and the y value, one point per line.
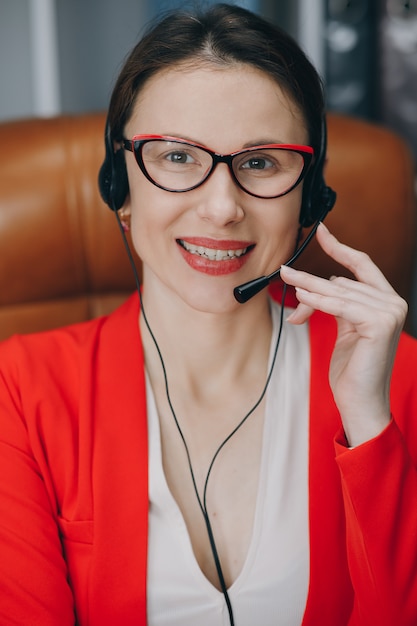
224	34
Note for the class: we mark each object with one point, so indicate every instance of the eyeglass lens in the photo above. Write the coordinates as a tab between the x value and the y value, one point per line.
179	166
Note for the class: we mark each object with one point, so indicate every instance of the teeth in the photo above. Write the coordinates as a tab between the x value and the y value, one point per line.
212	254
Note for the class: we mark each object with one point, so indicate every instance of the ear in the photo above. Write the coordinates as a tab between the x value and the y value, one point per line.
125	211
124	214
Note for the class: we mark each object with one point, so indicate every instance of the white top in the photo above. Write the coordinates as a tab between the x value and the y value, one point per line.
272	587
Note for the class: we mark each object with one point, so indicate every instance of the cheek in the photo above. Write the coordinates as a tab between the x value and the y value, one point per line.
144	225
283	227
143	222
152	215
143	197
285	219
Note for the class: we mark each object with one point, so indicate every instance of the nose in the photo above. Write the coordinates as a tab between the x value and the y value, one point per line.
220	198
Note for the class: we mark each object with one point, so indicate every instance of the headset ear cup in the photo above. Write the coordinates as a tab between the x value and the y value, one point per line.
112	178
104	180
318	203
119	187
318	199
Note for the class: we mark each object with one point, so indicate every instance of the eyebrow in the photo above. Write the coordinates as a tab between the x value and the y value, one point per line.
250	144
263	141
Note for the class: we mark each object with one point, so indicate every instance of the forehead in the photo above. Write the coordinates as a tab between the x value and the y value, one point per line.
212	103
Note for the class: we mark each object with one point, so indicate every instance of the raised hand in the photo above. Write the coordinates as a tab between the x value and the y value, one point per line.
370	317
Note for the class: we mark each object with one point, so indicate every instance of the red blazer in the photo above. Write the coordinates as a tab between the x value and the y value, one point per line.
73	485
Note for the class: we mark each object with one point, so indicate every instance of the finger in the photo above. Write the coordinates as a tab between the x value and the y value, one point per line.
359	263
347	299
300	314
359	312
341	287
368	295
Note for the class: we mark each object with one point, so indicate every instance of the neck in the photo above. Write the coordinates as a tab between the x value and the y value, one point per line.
205	348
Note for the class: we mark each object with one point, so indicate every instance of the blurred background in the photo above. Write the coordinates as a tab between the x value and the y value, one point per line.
62	56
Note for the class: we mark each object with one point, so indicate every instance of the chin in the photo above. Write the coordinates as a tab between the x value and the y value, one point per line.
211	299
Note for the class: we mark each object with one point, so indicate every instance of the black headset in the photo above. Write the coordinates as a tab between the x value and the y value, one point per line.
112	178
318	199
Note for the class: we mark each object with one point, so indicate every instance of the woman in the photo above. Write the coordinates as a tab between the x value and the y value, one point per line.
185	460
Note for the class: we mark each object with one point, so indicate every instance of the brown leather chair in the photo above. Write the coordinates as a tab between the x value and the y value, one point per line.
61	255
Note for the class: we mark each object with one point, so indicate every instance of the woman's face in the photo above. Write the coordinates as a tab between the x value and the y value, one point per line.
226	110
